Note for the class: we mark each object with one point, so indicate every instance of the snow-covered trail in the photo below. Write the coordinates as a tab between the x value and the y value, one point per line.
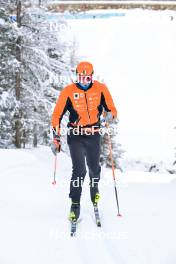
34	226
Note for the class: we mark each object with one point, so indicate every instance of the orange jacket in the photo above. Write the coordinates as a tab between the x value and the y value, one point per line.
85	107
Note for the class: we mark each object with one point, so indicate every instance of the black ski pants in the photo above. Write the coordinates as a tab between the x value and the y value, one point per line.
84	148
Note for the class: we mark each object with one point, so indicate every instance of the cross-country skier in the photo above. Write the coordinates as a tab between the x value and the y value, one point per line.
85	100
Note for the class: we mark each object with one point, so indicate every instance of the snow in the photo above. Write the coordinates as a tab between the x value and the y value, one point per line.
34	226
135	55
4	97
2	21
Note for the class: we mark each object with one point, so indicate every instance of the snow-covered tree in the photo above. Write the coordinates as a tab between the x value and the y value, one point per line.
8	68
42	55
55	54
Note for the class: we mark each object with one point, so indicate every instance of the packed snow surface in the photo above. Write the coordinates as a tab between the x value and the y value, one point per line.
34	226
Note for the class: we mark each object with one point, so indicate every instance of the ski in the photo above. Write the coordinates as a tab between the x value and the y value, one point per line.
97	215
73	228
74	224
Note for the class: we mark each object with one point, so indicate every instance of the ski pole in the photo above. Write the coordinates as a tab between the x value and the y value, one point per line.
55	131
113	170
55	167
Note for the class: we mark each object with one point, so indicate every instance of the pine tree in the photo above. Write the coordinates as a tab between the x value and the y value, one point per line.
48	62
41	56
8	68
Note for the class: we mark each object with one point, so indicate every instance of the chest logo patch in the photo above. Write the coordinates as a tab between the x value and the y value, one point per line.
76	95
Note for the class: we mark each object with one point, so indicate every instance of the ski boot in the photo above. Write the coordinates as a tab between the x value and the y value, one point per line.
96	211
74	212
96	199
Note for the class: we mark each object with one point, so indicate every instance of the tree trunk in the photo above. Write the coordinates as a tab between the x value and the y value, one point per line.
35	141
18	73
18	133
18	81
19	13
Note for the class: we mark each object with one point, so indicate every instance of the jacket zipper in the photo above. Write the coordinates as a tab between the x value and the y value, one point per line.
87	107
